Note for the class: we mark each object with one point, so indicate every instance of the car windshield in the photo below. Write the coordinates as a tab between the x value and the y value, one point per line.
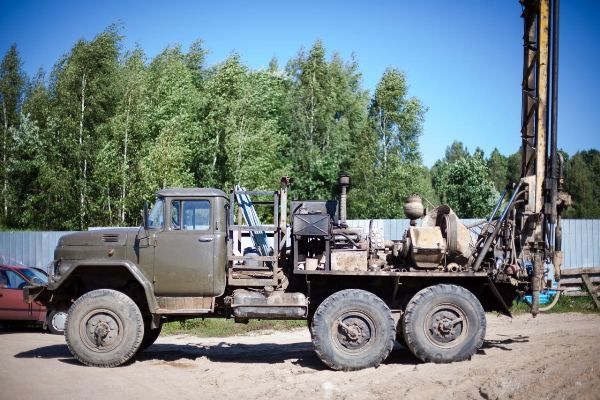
31	274
156	218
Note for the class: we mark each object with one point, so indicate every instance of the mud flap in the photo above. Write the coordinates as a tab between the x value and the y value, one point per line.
504	308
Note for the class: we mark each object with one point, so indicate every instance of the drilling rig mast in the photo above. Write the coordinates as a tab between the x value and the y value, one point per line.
537	215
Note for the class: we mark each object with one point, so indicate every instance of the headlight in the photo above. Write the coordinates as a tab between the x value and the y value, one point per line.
62	267
53	269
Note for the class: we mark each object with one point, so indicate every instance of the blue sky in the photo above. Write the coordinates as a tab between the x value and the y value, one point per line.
463	59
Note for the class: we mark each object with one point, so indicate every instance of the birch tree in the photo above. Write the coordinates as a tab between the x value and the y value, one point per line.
12	80
84	97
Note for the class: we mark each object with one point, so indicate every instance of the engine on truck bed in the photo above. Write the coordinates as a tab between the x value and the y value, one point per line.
322	240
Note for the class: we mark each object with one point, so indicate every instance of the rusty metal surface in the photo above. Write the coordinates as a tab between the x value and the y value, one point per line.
428	246
426	274
349	260
184	304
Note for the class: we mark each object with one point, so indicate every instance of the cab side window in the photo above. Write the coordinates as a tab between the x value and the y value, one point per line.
195	215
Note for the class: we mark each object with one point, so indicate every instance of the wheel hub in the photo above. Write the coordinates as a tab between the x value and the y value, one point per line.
101	330
446	325
353	332
58	321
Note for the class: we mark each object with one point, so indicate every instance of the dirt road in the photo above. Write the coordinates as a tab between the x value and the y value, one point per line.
552	356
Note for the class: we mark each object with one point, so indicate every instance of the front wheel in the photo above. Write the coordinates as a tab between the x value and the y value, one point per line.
104	328
55	321
353	329
444	323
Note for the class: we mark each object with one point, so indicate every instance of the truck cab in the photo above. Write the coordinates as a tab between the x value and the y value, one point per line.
184	247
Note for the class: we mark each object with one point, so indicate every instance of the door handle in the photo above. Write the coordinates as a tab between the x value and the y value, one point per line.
205	239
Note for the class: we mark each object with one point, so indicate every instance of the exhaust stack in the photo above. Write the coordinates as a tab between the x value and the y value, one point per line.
344	183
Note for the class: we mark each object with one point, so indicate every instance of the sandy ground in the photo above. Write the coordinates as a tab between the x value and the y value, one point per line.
552	356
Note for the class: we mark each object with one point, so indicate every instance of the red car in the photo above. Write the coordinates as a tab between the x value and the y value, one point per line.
13	278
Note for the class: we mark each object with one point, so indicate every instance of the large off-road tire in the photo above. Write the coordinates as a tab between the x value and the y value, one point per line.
55	321
104	328
150	336
353	329
444	323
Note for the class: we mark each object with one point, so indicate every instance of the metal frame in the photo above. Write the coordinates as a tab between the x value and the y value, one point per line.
237	275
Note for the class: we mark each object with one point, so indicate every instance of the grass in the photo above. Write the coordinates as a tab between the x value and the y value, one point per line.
225	327
582	304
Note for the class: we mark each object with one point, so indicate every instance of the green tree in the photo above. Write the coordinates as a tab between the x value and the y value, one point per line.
513	167
581	182
171	129
397	118
84	96
390	152
464	184
255	141
456	151
36	102
223	91
195	60
117	162
498	169
12	80
23	167
327	114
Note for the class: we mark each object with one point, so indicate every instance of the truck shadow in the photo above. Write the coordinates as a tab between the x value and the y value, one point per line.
503	344
300	354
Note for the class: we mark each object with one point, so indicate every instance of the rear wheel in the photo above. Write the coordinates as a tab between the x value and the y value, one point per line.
104	328
353	329
444	323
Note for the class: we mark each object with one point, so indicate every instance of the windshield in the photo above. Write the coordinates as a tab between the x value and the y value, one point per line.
31	273
156	218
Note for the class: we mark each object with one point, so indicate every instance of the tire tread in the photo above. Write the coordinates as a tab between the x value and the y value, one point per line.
319	325
121	299
410	332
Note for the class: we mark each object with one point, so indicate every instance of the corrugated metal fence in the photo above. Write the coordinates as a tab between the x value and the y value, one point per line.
581	241
35	249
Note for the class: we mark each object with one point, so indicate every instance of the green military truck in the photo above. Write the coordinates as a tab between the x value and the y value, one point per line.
204	253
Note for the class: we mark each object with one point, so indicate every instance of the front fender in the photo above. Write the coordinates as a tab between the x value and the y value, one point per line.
44	293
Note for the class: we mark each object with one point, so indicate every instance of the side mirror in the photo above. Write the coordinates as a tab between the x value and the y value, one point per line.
145	215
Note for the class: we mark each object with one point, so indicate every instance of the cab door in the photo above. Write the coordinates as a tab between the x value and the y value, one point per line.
183	253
